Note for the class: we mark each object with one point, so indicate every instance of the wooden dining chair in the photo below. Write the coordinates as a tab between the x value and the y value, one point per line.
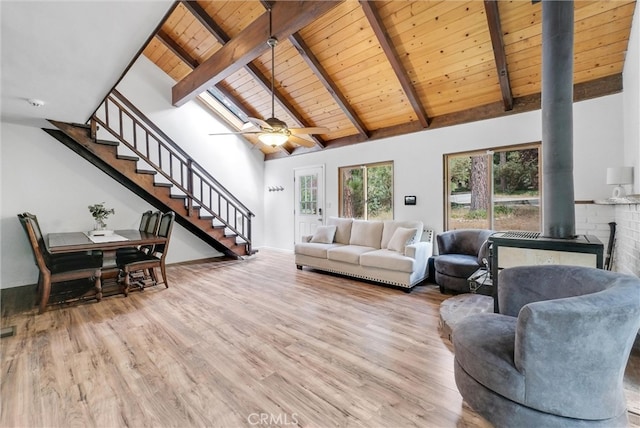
143	261
60	271
92	258
151	224
144	221
152	227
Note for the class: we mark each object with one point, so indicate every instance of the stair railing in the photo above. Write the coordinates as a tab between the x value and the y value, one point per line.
131	127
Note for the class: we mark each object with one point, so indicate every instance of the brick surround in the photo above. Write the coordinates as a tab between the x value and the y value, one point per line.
593	219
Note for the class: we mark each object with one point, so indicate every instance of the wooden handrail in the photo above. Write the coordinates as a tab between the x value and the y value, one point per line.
131	127
176	147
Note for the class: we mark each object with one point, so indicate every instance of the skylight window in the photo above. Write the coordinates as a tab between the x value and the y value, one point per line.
228	104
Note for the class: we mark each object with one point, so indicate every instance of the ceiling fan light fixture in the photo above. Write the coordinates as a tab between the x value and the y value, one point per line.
273	139
274	132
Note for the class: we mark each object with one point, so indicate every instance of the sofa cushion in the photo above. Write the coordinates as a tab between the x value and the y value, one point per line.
401	238
366	233
324	234
348	253
390	227
387	259
314	249
343	229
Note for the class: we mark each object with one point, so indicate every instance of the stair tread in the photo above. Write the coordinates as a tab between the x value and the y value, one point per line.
81	125
219	234
146	171
107	142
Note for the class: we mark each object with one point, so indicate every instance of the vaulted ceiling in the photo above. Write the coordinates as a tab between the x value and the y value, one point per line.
372	69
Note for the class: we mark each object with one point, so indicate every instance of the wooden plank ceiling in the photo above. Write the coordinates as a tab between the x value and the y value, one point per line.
367	70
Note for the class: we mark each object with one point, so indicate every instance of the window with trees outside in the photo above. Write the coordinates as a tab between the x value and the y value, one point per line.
366	191
495	189
309	194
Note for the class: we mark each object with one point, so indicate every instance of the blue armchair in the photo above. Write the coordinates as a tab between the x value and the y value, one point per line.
556	354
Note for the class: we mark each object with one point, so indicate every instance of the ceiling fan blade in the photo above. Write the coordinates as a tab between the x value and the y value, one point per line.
249	126
259	123
301	141
314	130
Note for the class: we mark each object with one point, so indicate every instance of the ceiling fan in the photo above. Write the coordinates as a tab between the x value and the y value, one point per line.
273	131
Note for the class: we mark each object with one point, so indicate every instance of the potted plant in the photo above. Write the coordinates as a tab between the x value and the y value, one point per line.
100	214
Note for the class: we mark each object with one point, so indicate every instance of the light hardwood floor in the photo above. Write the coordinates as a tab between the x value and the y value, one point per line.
240	344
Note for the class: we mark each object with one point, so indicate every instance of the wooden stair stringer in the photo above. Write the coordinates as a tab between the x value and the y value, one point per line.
123	169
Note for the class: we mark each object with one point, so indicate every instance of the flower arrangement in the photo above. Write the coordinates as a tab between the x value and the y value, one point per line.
100	213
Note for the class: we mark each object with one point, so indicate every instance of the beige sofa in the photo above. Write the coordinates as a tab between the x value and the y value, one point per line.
391	252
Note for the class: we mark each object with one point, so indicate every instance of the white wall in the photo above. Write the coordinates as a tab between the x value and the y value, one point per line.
627	216
229	159
631	96
418	162
40	175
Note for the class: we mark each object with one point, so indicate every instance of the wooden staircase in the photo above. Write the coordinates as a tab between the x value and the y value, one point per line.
123	143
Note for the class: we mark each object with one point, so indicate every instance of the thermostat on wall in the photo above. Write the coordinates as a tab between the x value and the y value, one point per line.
409	200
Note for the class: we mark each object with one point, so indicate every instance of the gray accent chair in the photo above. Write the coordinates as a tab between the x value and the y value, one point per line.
556	354
460	254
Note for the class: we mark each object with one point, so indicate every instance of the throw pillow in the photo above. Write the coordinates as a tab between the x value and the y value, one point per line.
401	238
366	233
390	226
343	228
324	234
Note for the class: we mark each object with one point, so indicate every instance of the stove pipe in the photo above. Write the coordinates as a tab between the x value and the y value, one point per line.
558	217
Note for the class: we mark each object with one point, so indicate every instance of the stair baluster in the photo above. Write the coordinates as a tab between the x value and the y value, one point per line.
201	191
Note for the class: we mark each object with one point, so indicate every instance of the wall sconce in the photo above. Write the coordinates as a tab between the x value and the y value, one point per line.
619	176
275	188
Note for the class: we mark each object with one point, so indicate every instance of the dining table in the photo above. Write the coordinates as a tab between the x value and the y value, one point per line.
106	242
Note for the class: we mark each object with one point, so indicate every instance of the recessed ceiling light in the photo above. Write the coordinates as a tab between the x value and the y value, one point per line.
35	102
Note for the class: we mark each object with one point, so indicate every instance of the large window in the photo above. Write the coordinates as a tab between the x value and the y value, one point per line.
494	189
366	191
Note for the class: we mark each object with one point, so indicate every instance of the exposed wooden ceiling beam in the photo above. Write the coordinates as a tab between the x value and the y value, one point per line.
375	21
206	21
186	58
224	91
286	148
287	17
177	50
581	91
495	30
328	83
223	38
